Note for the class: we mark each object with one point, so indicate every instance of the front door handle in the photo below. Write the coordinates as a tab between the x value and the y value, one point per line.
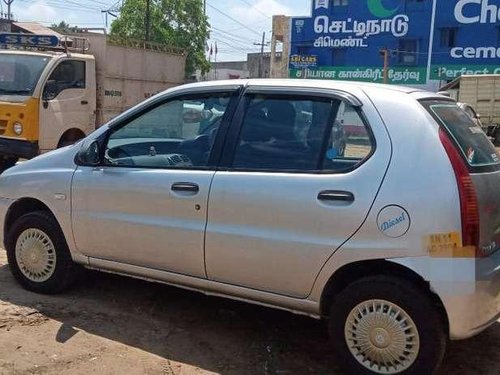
84	102
188	187
335	195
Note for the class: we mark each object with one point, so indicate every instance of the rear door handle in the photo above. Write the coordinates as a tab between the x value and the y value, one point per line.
188	187
84	102
335	195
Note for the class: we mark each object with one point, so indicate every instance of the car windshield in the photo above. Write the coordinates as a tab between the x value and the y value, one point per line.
19	74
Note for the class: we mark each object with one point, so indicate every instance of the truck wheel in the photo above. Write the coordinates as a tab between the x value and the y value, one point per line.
38	255
7	163
385	325
70	137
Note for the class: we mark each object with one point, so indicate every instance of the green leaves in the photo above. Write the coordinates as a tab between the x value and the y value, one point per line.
179	23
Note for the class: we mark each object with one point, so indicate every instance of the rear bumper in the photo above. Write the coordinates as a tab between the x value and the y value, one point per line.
473	305
12	147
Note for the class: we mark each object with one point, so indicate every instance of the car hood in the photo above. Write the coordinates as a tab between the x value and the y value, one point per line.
30	177
57	159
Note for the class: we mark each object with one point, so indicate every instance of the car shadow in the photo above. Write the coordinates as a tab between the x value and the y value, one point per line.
214	334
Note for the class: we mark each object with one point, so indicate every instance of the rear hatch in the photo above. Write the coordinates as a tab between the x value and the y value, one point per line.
481	162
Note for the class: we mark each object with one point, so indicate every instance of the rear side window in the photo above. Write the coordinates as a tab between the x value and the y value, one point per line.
301	134
470	139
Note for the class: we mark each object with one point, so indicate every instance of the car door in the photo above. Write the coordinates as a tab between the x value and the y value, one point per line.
146	205
68	102
295	184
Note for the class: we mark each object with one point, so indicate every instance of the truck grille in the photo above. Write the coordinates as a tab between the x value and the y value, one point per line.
3	126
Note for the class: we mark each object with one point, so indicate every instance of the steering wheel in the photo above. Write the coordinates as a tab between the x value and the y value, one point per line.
114	159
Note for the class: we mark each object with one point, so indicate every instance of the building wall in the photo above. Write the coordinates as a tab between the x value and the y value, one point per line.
343	39
256	71
225	70
280	38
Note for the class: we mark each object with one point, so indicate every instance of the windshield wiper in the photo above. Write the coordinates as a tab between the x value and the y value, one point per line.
14	92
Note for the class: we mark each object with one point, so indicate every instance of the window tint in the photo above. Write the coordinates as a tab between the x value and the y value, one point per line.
472	141
69	74
177	134
294	134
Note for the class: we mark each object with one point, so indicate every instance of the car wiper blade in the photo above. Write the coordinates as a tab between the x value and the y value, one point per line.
14	92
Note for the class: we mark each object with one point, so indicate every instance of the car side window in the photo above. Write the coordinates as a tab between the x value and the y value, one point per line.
69	74
300	134
177	134
350	141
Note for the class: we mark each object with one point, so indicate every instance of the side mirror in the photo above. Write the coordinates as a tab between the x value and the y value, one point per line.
50	90
89	155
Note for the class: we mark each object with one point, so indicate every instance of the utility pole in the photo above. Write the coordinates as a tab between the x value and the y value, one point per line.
261	59
384	52
8	3
148	19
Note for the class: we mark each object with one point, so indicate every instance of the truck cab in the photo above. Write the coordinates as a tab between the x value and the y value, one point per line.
47	98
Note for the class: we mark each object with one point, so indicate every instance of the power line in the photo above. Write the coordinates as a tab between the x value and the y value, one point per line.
231	36
233	19
253	24
256	9
69	5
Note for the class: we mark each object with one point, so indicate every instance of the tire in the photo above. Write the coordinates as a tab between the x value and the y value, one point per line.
429	343
43	267
70	138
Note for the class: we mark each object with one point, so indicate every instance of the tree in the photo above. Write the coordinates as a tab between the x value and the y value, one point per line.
63	27
179	23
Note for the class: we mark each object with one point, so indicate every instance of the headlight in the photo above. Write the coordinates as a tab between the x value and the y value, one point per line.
18	128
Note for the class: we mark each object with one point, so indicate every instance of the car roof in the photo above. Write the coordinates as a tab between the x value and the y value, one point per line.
349	86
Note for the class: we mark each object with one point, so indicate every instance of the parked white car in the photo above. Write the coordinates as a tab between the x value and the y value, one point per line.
395	239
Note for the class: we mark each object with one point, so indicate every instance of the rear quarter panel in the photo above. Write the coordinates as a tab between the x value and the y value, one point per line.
419	179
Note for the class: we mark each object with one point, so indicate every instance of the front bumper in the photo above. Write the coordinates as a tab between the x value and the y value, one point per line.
4	208
473	305
11	147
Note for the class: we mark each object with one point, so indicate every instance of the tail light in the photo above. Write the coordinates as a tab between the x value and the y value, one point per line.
468	200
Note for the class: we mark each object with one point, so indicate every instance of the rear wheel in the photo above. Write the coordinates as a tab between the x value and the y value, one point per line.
385	325
38	255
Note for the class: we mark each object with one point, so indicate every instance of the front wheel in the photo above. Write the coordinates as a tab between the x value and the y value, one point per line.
38	255
385	325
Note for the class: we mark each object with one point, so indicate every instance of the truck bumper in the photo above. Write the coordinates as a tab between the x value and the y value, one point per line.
11	147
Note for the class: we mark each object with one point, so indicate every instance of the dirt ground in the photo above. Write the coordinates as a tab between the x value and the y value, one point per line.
115	325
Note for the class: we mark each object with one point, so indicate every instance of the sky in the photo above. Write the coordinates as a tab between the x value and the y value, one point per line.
236	24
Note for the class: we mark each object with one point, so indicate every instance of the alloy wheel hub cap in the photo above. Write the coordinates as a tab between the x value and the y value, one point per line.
382	337
35	255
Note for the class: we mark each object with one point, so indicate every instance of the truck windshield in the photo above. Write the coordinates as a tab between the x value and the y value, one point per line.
19	74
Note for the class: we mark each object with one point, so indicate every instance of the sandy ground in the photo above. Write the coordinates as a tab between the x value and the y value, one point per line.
115	325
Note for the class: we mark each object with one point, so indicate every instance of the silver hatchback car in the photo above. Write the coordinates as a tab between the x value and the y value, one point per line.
374	207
